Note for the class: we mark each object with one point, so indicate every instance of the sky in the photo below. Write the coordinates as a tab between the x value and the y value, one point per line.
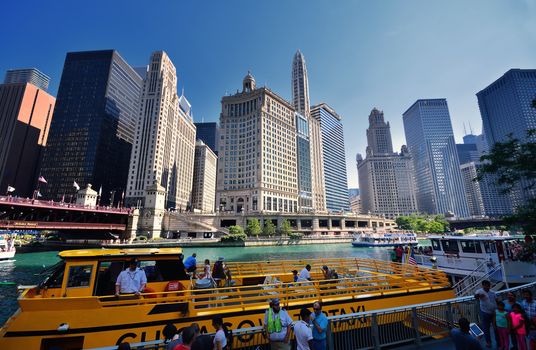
359	54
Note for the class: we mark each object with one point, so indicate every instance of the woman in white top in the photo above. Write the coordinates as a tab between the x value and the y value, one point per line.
220	341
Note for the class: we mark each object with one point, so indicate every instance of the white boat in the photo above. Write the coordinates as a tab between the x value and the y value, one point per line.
383	239
490	255
7	248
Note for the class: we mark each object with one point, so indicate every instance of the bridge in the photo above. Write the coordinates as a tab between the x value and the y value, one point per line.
32	214
460	224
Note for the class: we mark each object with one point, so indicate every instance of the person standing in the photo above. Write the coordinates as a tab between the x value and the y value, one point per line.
399	252
218	272
529	306
519	327
508	304
305	274
502	326
206	271
277	324
488	304
131	280
188	337
302	332
220	339
190	264
462	339
320	326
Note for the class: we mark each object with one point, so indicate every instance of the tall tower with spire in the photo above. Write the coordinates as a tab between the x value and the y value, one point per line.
300	85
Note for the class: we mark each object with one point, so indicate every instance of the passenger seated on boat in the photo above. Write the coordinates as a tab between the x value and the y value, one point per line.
305	274
218	272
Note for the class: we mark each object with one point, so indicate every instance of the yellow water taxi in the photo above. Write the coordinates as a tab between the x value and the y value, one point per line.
75	306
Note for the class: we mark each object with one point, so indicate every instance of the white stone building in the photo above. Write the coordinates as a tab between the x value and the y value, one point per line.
204	188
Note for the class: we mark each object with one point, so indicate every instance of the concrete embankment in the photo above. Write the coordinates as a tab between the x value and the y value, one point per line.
164	243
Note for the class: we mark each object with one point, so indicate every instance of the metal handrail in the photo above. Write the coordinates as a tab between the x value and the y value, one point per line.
470	275
479	280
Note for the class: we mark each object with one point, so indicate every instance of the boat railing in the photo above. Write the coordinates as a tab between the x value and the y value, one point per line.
417	325
472	282
240	298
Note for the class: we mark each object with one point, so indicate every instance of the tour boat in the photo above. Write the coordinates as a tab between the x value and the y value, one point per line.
74	307
7	248
491	255
383	239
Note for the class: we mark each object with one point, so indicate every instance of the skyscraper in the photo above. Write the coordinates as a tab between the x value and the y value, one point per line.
301	102
506	108
92	132
25	116
303	150
334	157
208	133
204	182
27	75
300	85
473	194
386	179
439	183
506	105
165	138
257	165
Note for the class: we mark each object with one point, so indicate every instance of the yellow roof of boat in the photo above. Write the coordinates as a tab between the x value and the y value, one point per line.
131	252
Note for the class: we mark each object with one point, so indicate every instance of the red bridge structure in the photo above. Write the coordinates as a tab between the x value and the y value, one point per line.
32	214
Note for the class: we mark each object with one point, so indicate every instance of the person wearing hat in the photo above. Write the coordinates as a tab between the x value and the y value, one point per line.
131	280
277	324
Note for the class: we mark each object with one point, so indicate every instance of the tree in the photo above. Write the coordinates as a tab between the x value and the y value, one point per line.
269	228
513	166
423	223
285	229
253	228
236	233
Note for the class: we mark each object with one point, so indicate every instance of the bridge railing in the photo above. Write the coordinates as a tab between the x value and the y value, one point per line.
408	325
61	205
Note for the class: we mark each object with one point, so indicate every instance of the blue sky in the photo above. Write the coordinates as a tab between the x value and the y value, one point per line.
360	54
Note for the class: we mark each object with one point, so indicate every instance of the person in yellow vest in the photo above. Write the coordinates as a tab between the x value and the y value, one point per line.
277	324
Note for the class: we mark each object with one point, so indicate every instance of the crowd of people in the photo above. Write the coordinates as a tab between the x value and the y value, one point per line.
513	322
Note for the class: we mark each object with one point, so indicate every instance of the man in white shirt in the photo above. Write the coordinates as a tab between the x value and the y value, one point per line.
131	280
305	274
302	331
488	304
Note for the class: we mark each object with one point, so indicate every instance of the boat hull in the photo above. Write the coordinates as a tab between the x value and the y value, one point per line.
7	255
366	244
91	325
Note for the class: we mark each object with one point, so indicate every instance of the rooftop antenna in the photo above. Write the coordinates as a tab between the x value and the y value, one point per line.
464	130
470	128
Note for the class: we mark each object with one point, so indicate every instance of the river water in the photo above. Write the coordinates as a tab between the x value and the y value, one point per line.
25	269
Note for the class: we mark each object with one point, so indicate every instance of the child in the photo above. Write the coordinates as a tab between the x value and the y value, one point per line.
518	326
502	326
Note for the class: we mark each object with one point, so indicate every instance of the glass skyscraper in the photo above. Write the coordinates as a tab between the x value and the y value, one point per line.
430	139
208	133
506	105
92	132
303	150
334	157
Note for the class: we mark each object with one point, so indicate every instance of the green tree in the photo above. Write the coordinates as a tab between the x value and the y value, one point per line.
512	164
236	233
423	223
253	228
269	228
285	229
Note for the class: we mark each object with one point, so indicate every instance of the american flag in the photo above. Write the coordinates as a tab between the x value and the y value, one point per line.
411	259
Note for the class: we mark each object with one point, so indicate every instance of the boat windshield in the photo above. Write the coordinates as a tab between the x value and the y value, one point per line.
53	276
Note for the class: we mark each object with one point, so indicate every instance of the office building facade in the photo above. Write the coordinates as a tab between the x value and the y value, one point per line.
92	132
335	179
430	139
28	75
25	117
257	165
386	178
164	149
204	182
208	133
303	151
473	194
